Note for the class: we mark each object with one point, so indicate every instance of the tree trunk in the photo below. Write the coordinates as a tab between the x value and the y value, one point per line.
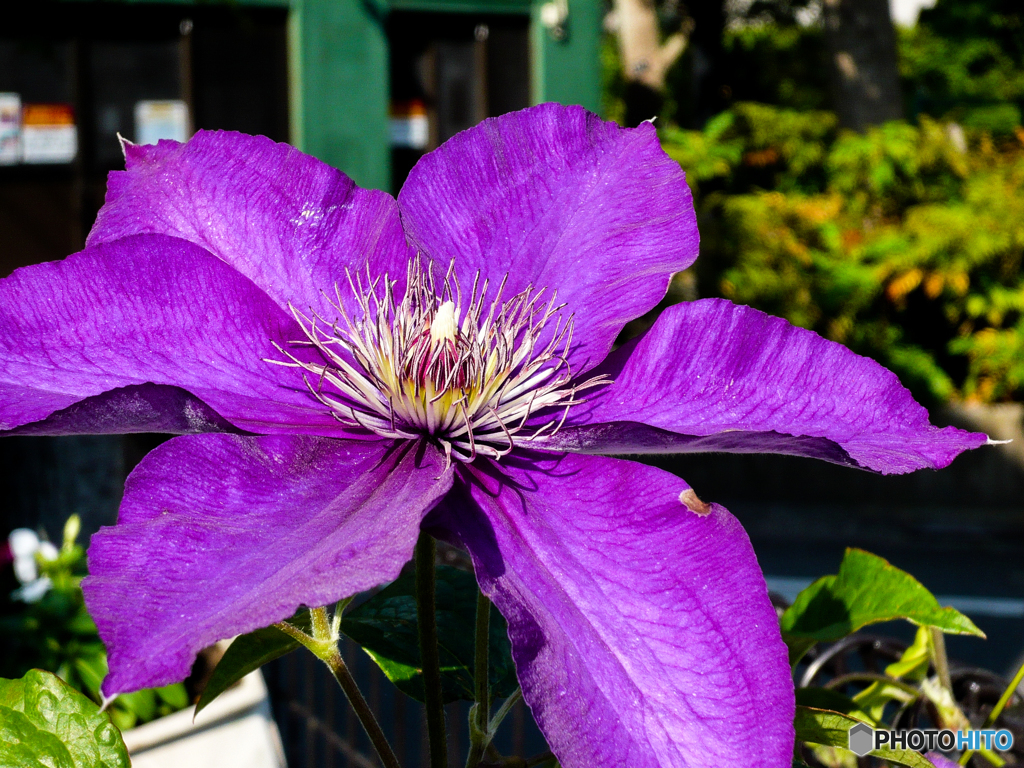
862	50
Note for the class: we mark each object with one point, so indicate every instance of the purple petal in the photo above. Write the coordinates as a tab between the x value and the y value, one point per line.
148	313
939	760
711	375
141	408
221	534
287	221
561	200
641	630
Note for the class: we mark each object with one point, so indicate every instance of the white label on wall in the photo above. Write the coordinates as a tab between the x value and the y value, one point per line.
10	128
155	120
410	132
48	133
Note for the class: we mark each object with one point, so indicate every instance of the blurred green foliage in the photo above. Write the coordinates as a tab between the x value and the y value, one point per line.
904	243
784	65
964	61
58	635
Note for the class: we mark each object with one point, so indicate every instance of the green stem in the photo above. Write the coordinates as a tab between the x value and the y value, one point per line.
339	609
939	657
997	710
505	708
479	737
362	709
872	677
324	645
321	626
483	641
427	621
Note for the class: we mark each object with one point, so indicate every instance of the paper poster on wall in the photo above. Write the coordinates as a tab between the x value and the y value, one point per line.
48	133
155	120
10	128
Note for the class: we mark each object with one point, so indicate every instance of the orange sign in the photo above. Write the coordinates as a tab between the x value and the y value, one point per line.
47	114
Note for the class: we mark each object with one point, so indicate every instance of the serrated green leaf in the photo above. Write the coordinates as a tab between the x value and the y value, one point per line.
44	723
822	726
867	590
248	653
385	626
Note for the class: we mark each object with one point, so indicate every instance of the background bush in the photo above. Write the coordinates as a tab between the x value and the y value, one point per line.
904	243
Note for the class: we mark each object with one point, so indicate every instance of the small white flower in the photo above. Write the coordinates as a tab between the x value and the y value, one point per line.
23	542
33	591
25	569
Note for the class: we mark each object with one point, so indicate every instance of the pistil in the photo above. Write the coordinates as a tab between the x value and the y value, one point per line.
407	369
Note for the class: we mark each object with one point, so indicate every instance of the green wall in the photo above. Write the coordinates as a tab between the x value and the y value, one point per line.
339	86
569	70
340	74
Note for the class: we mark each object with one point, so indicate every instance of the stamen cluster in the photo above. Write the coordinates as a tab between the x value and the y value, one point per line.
409	368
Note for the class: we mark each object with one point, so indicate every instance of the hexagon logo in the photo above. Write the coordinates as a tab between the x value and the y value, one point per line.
861	739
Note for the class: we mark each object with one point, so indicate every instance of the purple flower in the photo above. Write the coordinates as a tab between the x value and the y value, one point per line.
344	368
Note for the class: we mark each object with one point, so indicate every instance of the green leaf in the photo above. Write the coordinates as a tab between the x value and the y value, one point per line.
174	696
867	590
142	704
385	626
798	646
91	670
822	726
246	654
44	723
913	664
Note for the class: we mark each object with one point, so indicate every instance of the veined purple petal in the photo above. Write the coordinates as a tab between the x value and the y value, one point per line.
743	381
561	200
939	760
148	313
222	534
285	220
641	630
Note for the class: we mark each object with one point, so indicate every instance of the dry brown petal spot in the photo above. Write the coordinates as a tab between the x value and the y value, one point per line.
694	504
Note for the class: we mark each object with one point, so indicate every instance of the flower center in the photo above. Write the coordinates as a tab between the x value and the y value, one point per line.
410	368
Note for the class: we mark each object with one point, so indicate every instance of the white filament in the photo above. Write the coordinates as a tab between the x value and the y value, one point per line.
408	368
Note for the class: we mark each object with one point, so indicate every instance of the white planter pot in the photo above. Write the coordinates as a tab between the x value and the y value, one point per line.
236	731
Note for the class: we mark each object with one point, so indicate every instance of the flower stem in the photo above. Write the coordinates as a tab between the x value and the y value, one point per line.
324	645
500	715
479	734
427	621
997	710
483	641
362	709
